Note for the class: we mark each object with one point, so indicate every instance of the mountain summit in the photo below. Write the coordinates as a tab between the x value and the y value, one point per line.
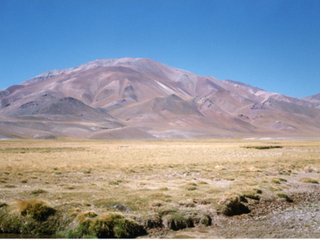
138	98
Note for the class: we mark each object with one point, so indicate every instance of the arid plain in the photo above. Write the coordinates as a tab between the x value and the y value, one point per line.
166	188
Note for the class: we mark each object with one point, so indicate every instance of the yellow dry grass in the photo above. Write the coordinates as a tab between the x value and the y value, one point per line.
144	176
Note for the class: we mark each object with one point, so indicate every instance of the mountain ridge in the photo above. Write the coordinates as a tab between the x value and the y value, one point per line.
153	100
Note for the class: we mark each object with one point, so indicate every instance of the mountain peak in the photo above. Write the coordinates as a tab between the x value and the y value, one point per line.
105	96
90	65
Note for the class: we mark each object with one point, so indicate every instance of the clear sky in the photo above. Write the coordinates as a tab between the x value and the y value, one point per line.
271	44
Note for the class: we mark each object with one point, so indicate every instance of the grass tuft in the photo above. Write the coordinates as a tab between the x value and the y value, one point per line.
202	182
191	186
3	204
37	209
284	195
155	204
87	214
114	182
309	180
252	194
258	191
115	225
276	181
38	191
231	205
206	220
177	221
263	147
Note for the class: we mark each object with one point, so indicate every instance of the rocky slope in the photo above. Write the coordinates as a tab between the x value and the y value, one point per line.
144	99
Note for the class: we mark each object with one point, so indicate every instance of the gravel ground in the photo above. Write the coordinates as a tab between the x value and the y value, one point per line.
269	218
296	222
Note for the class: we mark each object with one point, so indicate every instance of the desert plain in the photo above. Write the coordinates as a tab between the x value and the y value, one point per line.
213	188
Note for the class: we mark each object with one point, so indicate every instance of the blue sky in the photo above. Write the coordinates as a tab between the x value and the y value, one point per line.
271	44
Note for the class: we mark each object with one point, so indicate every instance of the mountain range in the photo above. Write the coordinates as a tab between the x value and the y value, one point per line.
138	98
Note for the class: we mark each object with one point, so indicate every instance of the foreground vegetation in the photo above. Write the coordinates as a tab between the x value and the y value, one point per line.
82	188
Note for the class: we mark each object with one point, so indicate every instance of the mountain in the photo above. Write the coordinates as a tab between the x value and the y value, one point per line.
315	99
140	98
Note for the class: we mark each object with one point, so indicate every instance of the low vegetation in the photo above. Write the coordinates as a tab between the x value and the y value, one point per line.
309	180
263	147
106	226
82	188
285	196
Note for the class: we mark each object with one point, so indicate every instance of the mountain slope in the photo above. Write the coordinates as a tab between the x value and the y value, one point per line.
144	99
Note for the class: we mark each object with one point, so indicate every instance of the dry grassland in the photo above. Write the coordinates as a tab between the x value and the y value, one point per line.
158	184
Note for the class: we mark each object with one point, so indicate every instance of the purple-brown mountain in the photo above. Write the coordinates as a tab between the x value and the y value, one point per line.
143	99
